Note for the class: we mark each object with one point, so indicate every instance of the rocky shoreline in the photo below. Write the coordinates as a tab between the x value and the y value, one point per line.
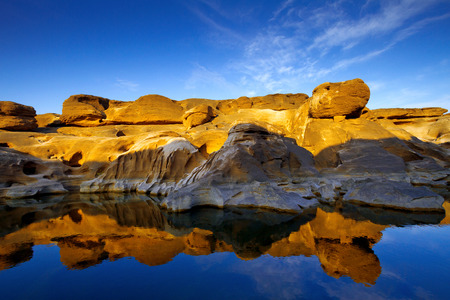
284	152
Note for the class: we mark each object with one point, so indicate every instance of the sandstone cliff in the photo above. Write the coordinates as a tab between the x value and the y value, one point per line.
283	151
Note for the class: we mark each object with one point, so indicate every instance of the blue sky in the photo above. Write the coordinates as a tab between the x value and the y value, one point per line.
51	49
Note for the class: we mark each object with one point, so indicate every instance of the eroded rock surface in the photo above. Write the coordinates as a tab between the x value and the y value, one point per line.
15	116
198	115
347	98
285	152
246	172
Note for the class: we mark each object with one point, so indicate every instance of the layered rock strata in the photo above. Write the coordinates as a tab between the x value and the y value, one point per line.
15	116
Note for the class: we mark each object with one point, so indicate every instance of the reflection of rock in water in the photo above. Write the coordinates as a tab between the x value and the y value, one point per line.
385	216
90	230
14	254
251	232
342	245
349	259
446	206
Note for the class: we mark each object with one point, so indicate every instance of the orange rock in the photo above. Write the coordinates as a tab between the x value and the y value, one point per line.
198	115
347	98
15	116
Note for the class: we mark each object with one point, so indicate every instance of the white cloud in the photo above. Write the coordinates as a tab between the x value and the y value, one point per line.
127	85
201	77
391	17
294	48
283	6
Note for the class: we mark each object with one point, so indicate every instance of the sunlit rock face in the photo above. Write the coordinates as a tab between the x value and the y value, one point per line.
15	116
89	229
154	165
346	98
285	152
48	120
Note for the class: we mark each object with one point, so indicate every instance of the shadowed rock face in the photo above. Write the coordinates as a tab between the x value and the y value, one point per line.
284	152
91	228
244	172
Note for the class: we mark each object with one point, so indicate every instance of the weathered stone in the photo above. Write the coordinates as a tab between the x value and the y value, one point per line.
405	113
250	145
197	116
245	172
273	101
153	165
15	116
23	175
149	109
48	120
346	98
394	194
17	123
84	110
9	108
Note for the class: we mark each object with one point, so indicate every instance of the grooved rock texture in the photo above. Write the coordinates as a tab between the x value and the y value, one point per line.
15	116
244	172
154	165
347	98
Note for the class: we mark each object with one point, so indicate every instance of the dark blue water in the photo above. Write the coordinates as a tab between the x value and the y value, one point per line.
129	250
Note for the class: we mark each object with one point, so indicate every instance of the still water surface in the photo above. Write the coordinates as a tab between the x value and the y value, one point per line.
124	247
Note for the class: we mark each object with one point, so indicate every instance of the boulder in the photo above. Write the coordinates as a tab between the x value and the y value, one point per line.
84	110
197	116
9	108
48	120
15	116
347	98
149	109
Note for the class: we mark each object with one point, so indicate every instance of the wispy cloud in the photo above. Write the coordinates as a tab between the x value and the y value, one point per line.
127	85
203	78
283	6
304	43
215	24
391	17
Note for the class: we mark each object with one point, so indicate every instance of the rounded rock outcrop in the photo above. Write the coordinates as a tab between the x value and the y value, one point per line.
15	116
346	98
84	110
198	115
148	109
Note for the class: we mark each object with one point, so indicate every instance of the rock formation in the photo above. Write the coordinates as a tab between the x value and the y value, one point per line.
283	152
15	116
48	120
197	116
346	98
245	172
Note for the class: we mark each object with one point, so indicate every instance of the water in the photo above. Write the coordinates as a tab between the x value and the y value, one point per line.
124	247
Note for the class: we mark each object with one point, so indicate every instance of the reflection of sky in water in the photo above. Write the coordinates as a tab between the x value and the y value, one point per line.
324	256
